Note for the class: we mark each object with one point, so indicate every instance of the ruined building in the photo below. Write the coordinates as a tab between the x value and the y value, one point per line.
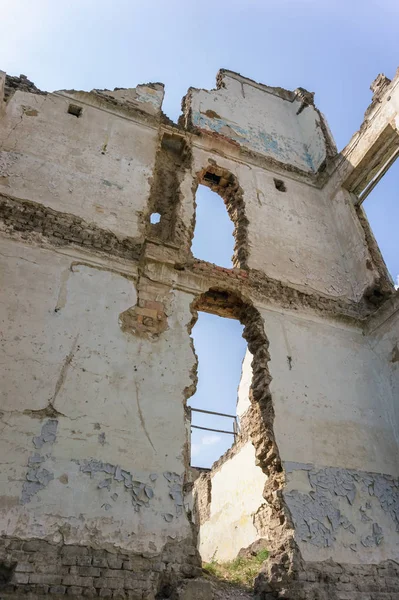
97	494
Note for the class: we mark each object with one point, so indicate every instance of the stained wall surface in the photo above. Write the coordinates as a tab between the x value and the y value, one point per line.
260	118
93	428
96	166
96	312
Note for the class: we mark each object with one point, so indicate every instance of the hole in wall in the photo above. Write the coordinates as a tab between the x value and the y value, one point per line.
280	185
155	218
6	572
220	348
212	178
218	235
234	490
75	110
213	234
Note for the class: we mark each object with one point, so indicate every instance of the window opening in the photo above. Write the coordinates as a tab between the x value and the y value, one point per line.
155	218
213	236
220	348
75	110
382	209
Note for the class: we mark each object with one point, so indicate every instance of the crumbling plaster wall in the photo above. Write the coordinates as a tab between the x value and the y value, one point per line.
92	415
235	491
330	394
337	438
292	235
334	427
266	120
97	166
93	433
235	496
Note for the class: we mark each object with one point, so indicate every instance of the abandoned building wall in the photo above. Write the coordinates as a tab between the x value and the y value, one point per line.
93	435
96	315
279	124
334	410
308	255
97	166
243	401
334	426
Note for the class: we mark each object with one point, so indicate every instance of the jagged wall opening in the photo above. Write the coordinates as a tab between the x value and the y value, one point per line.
225	184
271	520
214	419
213	234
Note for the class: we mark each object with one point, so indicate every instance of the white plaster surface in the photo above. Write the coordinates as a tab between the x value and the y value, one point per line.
334	405
119	399
293	235
236	495
96	166
261	121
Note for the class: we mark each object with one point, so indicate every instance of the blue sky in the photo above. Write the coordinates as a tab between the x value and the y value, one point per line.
332	47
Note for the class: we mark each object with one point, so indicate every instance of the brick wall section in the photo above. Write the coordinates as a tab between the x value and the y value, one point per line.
332	581
38	568
63	228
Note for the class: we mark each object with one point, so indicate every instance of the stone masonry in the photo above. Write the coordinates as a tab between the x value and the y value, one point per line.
97	495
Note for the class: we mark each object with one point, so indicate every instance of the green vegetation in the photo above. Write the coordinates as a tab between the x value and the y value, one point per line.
240	571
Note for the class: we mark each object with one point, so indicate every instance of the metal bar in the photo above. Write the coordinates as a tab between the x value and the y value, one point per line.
377	178
210	412
209	429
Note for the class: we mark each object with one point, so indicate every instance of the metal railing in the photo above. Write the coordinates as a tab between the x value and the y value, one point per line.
235	431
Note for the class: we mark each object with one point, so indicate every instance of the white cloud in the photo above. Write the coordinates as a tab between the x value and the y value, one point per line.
397	283
209	439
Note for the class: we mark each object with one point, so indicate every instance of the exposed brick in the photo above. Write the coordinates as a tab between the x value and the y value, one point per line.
90	592
85	571
74	551
99	561
109	582
77	580
20	578
74	591
51	579
24	567
38	546
58	589
114	562
84	561
112	572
